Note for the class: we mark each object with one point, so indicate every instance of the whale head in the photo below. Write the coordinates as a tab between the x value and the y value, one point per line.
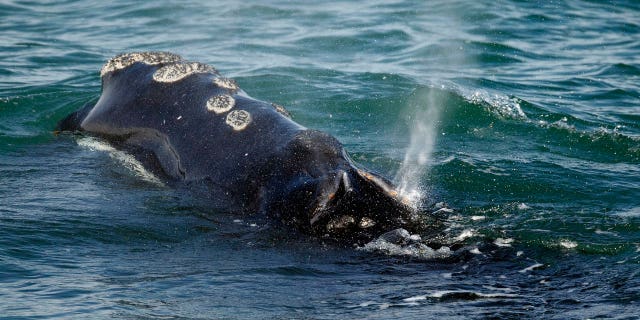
327	195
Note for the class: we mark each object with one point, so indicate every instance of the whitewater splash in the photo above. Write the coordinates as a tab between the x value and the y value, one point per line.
126	159
423	117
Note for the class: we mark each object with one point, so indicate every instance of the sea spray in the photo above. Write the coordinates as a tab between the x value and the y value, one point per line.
422	116
425	107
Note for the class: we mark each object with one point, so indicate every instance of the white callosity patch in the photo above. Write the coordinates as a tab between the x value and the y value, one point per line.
178	71
226	83
238	119
221	104
127	59
366	222
281	110
339	223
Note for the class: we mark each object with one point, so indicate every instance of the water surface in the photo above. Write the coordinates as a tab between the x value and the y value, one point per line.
536	147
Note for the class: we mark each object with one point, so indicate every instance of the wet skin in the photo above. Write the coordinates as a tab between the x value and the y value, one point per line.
187	124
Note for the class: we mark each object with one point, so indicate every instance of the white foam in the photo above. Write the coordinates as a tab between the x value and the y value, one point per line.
442	211
415	298
531	268
499	105
126	159
412	248
629	213
563	124
221	104
568	244
467	233
492	170
367	303
445	293
501	242
607	233
411	196
492	288
178	71
238	119
504	293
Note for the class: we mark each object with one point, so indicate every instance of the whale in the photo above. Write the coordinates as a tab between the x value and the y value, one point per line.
189	125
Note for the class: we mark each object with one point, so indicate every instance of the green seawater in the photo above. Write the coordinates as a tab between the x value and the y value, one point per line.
526	114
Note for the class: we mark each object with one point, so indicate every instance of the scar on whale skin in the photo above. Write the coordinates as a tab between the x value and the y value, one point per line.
238	119
178	71
125	60
221	104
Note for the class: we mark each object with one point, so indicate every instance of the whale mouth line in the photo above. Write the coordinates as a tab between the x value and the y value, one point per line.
359	202
339	188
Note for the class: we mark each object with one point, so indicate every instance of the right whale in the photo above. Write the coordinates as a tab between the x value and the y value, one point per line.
186	123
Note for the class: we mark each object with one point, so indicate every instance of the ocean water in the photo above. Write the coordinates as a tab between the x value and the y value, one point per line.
522	116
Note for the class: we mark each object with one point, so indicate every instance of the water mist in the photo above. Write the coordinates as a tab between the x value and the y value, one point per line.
422	116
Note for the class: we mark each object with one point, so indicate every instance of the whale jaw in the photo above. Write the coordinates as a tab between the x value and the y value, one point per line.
359	206
318	189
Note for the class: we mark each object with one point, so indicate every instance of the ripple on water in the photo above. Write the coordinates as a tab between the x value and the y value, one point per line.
539	106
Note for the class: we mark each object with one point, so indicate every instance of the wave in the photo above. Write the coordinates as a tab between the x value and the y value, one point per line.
30	114
491	146
479	114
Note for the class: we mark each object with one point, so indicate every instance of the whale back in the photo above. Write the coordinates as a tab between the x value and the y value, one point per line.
187	119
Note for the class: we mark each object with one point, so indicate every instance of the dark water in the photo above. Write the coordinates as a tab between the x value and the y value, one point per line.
536	147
